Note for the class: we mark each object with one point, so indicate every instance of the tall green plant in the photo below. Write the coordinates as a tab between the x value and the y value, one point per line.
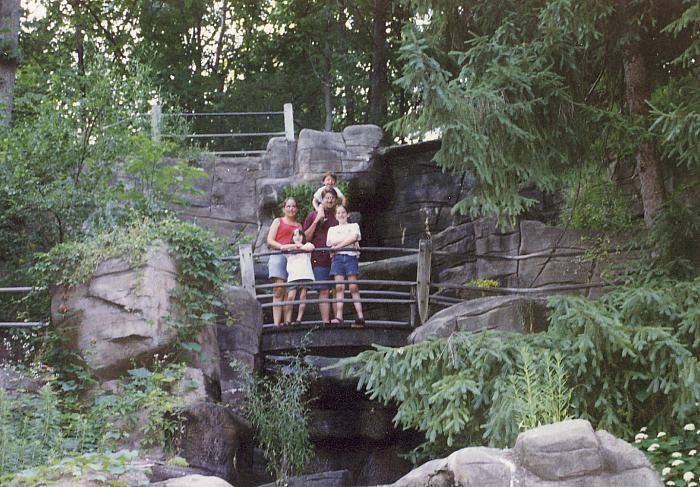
277	407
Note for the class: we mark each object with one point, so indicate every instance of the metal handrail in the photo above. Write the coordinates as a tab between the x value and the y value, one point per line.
20	324
357	281
332	300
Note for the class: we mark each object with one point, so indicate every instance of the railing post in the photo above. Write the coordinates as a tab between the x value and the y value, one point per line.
413	308
156	115
425	252
245	252
288	122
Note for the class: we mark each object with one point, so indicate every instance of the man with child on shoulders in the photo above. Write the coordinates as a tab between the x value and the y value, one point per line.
315	228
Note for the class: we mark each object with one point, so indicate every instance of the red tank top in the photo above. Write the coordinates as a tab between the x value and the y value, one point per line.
284	232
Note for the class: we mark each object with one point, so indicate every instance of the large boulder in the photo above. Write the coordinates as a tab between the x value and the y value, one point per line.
566	454
194	480
337	478
120	317
507	313
215	440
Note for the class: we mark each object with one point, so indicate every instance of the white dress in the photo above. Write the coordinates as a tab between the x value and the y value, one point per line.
299	267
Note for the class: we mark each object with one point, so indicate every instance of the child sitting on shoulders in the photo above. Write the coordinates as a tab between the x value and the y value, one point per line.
299	270
329	181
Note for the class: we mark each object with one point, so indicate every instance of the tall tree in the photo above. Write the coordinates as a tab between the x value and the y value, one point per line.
9	35
528	91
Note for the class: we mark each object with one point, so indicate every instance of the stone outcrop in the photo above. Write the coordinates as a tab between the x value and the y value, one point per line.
120	316
194	480
566	454
337	478
530	255
214	439
507	313
239	339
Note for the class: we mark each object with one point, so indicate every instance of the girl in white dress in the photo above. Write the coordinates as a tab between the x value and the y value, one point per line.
299	270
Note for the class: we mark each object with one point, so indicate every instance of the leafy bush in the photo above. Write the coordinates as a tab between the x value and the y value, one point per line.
630	358
279	413
38	429
303	194
593	202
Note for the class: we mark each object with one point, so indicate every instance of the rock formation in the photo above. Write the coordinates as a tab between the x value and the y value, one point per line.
566	454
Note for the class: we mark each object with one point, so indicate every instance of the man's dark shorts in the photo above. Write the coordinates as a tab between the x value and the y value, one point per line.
322	274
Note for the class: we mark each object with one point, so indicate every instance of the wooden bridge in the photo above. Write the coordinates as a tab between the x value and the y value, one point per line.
344	340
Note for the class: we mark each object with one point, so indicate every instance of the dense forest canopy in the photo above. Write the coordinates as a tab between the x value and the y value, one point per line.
521	92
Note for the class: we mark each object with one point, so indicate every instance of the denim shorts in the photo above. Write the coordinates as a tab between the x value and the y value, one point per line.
300	284
277	266
322	274
345	265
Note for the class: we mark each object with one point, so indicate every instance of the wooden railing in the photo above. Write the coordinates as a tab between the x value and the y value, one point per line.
415	294
418	294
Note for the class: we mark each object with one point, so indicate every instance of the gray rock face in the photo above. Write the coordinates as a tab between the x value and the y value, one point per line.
213	438
566	454
193	480
238	338
510	313
228	200
414	197
337	478
121	314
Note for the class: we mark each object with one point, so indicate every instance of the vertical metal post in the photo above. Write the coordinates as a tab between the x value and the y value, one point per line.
245	253
425	253
288	122
156	115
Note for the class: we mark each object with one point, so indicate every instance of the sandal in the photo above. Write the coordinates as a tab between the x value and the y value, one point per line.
359	323
286	323
336	322
296	323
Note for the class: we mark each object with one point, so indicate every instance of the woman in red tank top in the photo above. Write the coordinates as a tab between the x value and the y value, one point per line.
278	238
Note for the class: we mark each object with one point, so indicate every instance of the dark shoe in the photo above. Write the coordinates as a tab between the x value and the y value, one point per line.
326	324
286	323
359	323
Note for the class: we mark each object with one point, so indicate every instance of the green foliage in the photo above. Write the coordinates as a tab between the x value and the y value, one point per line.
482	283
30	430
39	429
303	194
539	392
101	467
630	358
277	409
674	454
149	391
593	202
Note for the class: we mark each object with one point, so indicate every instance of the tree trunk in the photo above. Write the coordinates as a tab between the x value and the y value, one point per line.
637	93
377	77
9	33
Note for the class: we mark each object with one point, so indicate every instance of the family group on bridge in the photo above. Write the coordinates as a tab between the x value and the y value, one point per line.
326	226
